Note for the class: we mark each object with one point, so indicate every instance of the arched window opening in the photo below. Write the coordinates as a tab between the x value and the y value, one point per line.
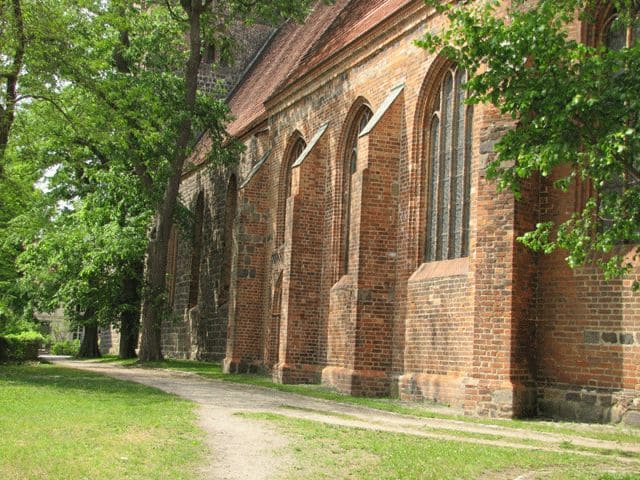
172	266
616	36
231	205
350	164
448	141
196	251
294	152
276	309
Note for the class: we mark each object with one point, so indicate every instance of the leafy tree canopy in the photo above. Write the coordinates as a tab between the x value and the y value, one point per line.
104	97
576	106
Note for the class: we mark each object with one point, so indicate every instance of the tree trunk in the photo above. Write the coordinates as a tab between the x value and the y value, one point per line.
129	319
7	113
89	346
153	301
129	328
154	291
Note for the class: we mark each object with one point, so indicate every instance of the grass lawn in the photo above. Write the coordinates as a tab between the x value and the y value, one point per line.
58	423
328	452
213	370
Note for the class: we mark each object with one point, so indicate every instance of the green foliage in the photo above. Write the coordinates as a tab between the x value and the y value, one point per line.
104	108
16	193
575	107
66	347
20	347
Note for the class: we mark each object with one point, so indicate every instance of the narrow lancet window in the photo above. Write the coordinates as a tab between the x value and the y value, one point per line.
448	136
349	168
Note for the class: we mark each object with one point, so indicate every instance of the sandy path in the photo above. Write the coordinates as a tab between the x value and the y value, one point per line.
247	449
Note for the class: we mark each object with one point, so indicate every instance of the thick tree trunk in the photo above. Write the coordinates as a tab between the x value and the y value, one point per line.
153	296
89	346
129	328
7	113
130	318
154	291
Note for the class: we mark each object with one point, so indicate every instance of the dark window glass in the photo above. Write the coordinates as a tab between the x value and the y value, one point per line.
294	154
231	204
196	251
350	166
448	150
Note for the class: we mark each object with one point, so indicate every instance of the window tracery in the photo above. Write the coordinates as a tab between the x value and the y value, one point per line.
448	135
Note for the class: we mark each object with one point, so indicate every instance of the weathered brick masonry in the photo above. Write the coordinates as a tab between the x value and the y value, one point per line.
323	265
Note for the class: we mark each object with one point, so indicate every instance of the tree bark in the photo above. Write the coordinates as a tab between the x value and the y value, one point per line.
129	328
89	346
130	318
154	292
7	114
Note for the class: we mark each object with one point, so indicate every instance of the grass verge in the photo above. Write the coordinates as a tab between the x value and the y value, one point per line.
326	452
615	433
58	423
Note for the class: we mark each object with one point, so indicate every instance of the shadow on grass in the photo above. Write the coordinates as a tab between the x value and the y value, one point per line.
66	379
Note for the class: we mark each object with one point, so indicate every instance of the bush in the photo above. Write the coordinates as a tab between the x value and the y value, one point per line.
20	347
66	347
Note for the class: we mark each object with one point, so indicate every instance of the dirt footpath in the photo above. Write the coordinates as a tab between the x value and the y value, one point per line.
247	449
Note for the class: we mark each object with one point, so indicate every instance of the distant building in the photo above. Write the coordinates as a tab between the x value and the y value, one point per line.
60	329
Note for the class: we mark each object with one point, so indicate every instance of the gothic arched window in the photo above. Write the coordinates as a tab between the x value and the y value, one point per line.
448	139
230	207
294	152
172	266
616	36
350	163
196	251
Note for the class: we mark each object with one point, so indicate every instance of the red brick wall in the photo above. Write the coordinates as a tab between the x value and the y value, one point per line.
588	333
300	322
439	326
199	332
247	298
493	333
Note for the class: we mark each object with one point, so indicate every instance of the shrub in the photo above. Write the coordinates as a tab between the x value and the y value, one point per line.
66	347
20	347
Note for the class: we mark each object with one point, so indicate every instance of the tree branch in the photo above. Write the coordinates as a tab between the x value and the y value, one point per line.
80	138
174	15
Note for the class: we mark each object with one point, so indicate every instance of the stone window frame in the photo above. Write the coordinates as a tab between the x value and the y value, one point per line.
230	213
197	242
359	115
295	146
431	217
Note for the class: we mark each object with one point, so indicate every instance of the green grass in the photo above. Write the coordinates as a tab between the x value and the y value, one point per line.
213	370
327	452
58	423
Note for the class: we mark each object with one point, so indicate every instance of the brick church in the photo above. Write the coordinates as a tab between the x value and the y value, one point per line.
358	243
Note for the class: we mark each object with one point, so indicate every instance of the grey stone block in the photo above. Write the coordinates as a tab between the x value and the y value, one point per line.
632	418
626	338
572	397
591	337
